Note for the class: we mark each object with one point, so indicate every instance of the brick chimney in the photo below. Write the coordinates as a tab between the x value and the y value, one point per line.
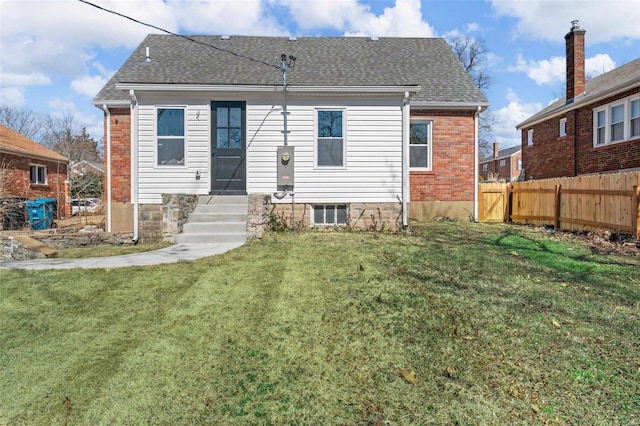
496	150
575	61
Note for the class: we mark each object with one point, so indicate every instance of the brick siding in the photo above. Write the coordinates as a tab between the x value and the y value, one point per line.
452	174
120	155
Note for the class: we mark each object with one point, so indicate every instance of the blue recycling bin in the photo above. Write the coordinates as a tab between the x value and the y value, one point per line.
41	212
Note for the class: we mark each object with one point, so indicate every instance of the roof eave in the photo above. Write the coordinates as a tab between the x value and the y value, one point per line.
451	105
32	155
263	88
581	101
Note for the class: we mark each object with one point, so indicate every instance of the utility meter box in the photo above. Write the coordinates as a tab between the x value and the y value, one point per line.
285	166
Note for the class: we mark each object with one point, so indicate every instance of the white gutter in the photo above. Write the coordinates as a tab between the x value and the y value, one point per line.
108	149
450	105
406	192
476	161
265	88
134	163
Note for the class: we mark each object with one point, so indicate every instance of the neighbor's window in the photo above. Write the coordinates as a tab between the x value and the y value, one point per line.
519	166
38	175
563	127
170	132
485	167
503	163
616	122
330	215
530	137
330	150
420	151
635	118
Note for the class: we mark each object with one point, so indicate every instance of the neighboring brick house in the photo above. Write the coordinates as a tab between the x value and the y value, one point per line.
595	128
504	164
380	126
81	167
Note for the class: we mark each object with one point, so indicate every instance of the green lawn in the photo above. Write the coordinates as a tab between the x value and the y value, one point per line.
500	325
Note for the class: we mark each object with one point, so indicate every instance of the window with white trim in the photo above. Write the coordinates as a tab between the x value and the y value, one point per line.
503	163
38	174
170	125
420	150
485	167
617	121
530	137
563	127
330	214
330	147
519	166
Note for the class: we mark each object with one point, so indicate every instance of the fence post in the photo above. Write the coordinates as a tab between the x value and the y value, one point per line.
636	211
509	202
556	213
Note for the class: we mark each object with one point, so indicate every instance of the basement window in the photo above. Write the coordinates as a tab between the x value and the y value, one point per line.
330	214
38	175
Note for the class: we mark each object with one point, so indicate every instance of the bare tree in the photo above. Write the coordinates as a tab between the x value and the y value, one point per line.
22	120
472	55
63	136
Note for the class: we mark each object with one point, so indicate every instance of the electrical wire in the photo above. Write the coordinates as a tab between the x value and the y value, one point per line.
239	55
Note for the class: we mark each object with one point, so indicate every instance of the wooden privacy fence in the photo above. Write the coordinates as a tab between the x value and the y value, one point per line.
608	201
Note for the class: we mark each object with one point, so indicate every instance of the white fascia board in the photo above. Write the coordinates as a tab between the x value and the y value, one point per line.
112	103
266	88
450	105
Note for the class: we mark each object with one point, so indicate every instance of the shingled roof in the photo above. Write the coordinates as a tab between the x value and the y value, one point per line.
619	79
13	142
335	62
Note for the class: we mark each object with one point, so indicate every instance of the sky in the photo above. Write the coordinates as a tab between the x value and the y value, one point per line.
55	55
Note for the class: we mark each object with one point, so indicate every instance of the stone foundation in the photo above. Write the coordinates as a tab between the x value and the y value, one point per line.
176	209
361	216
150	223
258	214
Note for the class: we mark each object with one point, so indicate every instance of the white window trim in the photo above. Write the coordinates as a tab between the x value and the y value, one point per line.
530	137
344	138
155	137
46	174
503	163
429	146
563	127
519	164
324	211
485	167
626	102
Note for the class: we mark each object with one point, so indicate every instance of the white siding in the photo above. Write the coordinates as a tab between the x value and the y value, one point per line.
373	136
157	180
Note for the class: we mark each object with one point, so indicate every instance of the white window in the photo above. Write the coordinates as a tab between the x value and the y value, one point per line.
485	167
170	127
503	163
563	127
530	137
635	118
38	175
618	121
330	148
330	215
420	151
519	166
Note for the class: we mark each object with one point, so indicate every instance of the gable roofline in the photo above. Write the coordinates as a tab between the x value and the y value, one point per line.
592	94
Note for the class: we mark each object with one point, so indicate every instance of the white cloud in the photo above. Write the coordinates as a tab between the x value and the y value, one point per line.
544	71
12	96
598	64
354	18
61	106
545	20
509	116
88	85
31	79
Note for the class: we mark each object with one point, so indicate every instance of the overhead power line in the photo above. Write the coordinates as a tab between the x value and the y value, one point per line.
220	49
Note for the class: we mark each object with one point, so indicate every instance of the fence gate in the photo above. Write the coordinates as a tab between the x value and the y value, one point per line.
492	199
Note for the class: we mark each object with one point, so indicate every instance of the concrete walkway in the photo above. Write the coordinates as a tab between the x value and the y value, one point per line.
171	254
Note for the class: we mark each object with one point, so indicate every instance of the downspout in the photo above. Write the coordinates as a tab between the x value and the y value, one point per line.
405	160
134	164
108	149
476	161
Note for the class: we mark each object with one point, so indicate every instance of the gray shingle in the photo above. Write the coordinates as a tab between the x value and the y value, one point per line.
321	61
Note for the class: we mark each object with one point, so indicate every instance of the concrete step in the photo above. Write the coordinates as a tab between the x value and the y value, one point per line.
218	217
223	199
205	238
220	208
215	227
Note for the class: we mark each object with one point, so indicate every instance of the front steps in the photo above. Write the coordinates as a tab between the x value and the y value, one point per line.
217	219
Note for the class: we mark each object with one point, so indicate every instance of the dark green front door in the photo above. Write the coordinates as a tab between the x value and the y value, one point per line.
228	148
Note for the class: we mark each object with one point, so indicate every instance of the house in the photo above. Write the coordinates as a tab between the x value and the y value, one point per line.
504	164
595	128
79	168
377	129
29	170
